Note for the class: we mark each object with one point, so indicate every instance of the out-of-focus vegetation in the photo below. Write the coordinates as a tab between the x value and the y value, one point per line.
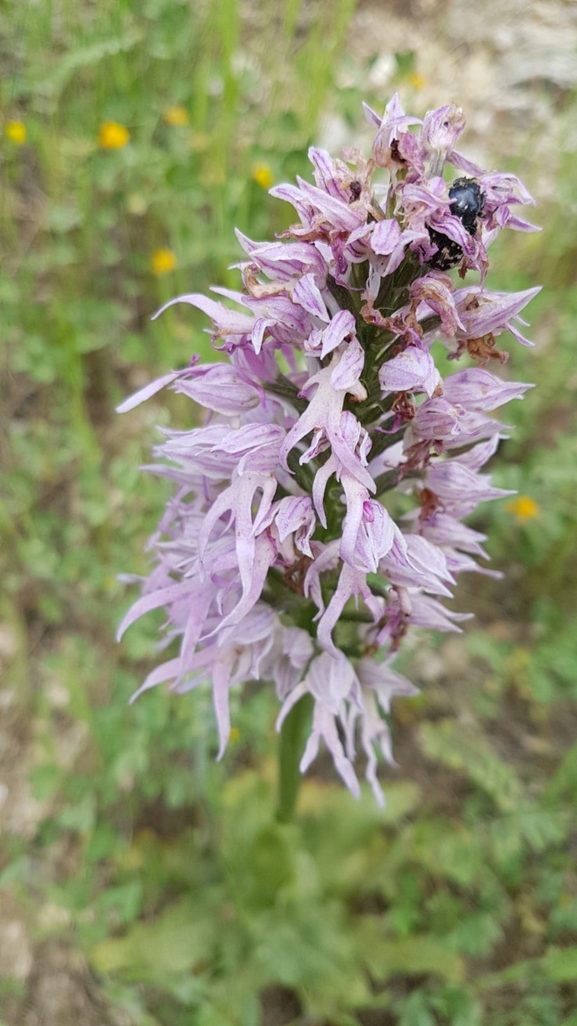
134	137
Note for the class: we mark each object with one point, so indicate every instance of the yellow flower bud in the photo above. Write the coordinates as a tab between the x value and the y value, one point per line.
523	507
263	176
112	135
16	132
162	262
176	116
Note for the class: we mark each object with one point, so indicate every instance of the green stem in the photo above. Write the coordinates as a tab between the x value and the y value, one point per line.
291	746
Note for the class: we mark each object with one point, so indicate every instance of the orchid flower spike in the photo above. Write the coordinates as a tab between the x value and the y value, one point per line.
279	557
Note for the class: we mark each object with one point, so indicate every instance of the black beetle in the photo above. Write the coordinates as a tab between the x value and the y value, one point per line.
467	203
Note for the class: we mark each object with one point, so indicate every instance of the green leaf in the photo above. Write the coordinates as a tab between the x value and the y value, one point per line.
445	848
564	780
415	1010
410	955
529	827
79	817
470	753
180	938
54	80
124	901
19	870
560	964
476	933
63	219
45	780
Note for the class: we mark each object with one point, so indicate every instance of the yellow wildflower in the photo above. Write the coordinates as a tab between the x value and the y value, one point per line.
112	135
16	132
234	734
263	175
176	116
417	81
162	262
523	507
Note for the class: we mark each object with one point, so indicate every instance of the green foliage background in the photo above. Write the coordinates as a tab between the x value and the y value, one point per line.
457	905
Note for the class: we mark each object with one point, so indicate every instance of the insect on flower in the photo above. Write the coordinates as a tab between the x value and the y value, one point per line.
467	204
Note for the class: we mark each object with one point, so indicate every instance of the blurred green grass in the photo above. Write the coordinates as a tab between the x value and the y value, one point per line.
458	905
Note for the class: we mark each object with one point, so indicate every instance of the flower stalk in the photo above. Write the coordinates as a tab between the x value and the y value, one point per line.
291	747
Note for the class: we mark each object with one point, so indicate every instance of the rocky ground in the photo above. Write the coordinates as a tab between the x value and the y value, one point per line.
510	64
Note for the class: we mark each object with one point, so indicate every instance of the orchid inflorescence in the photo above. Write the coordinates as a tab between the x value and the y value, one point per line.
317	513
